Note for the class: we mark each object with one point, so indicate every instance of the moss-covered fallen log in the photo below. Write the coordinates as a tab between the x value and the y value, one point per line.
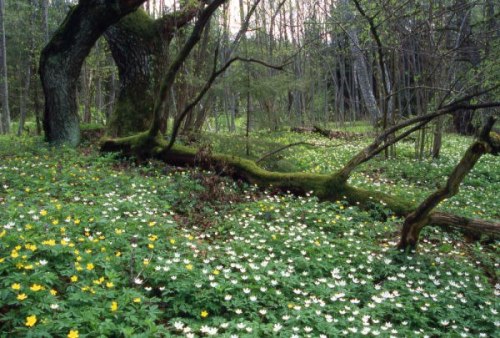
331	187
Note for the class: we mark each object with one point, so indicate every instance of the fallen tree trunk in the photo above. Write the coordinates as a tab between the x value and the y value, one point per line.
331	187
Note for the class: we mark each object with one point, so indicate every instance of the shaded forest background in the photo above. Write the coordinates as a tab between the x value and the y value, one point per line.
343	62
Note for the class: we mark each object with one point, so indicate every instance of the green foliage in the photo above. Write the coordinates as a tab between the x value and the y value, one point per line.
104	247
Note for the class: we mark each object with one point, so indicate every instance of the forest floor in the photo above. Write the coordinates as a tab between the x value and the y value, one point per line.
93	245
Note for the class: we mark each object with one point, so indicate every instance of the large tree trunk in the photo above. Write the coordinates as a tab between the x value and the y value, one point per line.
139	46
61	61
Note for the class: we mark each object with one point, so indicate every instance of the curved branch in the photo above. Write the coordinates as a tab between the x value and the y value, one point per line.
420	217
374	148
179	61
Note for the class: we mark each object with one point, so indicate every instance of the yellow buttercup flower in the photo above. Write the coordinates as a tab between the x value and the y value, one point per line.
114	306
204	314
90	266
21	296
35	287
73	334
74	278
16	286
30	321
137	300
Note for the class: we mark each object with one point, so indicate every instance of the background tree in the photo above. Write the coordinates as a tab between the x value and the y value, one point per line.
4	80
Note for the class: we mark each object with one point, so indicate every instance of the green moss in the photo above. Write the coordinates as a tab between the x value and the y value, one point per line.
325	187
140	23
133	113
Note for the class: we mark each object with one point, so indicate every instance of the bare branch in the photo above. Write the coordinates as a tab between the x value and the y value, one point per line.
179	61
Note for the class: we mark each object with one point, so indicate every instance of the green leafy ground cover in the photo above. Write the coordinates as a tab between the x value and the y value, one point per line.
93	246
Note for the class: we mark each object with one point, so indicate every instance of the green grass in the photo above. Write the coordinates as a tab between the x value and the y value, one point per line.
97	245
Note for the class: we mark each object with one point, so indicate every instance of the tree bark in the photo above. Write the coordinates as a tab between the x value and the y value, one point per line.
139	46
61	61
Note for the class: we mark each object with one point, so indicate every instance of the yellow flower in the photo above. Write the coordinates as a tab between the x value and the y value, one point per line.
74	278
73	334
14	254
31	247
77	221
151	246
53	292
16	286
109	285
55	222
90	266
49	242
137	300
189	267
172	241
21	296
43	212
30	321
204	314
216	272
114	306
36	287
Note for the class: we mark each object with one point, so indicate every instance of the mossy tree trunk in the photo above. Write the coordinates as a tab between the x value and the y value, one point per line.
139	45
61	62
